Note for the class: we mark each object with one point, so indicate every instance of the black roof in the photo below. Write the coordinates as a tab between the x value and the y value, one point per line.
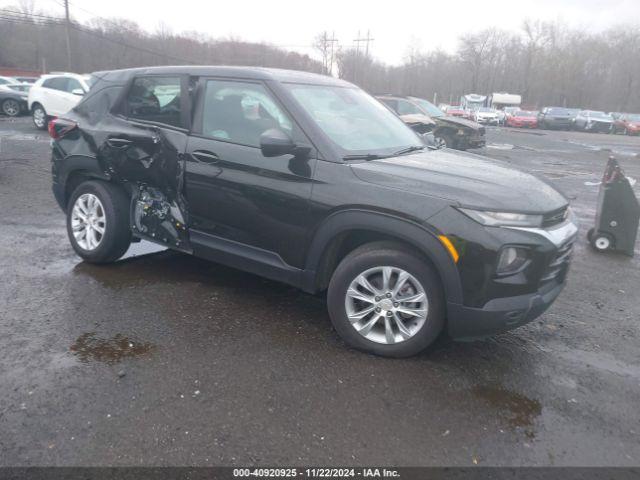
255	73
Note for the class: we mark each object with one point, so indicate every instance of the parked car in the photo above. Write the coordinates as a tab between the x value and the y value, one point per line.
456	111
510	110
593	121
320	187
424	117
56	94
8	80
13	99
523	119
486	116
29	80
627	123
557	117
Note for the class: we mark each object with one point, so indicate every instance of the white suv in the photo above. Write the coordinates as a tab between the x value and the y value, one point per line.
55	94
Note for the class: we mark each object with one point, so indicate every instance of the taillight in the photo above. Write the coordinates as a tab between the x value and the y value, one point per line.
59	127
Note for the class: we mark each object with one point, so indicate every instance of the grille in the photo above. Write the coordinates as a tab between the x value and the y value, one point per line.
553	218
559	263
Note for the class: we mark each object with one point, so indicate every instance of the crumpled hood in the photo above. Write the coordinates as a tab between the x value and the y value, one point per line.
459	122
464	179
417	118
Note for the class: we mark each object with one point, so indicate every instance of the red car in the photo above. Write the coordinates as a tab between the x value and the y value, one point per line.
456	111
522	119
628	123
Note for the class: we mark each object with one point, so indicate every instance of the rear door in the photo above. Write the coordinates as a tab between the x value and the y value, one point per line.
143	143
236	194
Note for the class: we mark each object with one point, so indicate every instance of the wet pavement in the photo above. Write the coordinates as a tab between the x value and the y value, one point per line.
165	359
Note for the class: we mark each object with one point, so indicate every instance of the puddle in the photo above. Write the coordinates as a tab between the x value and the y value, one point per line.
89	348
516	409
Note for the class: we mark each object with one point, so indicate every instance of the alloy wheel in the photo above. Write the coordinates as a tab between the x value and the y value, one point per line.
39	117
11	108
88	221
386	305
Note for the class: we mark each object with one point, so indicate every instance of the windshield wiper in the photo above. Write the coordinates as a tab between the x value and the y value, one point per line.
410	149
364	156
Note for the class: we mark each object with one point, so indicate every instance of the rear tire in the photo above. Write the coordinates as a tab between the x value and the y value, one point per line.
100	211
11	107
419	329
39	116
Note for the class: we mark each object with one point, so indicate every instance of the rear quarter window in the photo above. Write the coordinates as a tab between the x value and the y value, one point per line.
97	105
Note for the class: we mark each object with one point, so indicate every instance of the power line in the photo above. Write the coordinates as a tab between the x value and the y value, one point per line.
134	47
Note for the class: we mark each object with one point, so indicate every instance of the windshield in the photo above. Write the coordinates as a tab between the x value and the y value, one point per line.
559	111
354	121
523	113
595	114
90	80
428	107
633	117
486	110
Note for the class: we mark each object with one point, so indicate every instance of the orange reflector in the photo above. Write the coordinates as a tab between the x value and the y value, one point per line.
449	246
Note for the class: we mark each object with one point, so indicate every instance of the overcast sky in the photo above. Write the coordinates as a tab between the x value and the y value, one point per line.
394	25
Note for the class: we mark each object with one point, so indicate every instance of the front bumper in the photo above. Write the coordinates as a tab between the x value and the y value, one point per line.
501	313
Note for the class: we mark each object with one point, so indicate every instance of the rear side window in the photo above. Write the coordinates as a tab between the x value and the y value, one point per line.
155	99
56	83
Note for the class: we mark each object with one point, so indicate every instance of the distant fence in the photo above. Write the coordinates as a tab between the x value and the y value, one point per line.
18	72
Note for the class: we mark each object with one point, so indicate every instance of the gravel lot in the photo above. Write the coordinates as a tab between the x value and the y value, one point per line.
164	359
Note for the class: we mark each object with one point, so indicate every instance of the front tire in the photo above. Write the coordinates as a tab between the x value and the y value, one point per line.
11	107
443	140
98	222
39	116
386	300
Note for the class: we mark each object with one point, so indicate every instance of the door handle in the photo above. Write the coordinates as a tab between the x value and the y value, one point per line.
118	142
205	156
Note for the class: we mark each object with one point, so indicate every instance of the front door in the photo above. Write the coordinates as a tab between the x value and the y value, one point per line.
233	191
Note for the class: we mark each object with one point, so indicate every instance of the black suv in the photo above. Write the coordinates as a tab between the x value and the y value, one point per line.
310	181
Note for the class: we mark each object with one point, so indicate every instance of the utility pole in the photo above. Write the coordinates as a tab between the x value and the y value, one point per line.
332	41
357	41
68	27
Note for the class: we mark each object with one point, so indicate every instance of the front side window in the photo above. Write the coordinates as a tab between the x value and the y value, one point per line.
155	99
354	121
73	84
240	112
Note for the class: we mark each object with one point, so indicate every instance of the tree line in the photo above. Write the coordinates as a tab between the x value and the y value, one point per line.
548	63
33	40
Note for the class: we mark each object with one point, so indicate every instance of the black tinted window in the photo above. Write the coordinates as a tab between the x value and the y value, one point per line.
241	112
56	83
155	99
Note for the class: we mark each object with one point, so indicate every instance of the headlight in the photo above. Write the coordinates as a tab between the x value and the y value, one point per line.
503	219
511	259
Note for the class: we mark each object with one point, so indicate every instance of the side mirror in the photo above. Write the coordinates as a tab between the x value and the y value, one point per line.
275	143
78	91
